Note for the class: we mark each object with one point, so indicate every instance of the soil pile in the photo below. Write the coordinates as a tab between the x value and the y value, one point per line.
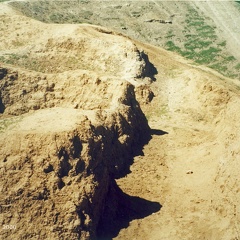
68	129
70	125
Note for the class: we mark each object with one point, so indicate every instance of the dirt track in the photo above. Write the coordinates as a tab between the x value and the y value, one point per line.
190	164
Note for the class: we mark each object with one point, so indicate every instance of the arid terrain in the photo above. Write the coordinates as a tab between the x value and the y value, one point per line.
205	31
104	136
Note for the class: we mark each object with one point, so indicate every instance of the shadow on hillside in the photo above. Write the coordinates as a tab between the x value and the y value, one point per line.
150	70
136	150
2	107
120	210
157	132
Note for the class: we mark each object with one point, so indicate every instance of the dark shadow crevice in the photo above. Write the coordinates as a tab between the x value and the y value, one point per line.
157	132
149	70
2	107
120	209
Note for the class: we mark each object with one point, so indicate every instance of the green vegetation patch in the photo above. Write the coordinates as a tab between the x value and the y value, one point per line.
23	61
55	11
12	58
237	66
170	45
201	44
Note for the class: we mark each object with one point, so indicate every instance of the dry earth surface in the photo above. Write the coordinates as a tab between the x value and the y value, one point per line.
206	31
71	125
190	166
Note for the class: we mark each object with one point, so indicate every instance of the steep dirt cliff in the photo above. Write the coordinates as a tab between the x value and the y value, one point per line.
70	125
58	162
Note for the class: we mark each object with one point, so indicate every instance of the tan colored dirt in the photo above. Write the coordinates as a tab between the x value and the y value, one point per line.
57	156
68	127
190	165
206	31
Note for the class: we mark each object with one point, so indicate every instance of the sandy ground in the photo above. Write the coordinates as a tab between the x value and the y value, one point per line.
186	166
190	166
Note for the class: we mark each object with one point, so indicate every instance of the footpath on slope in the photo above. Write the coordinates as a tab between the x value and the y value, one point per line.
190	164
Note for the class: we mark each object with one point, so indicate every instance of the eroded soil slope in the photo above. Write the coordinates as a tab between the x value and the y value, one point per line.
191	164
81	124
69	125
205	31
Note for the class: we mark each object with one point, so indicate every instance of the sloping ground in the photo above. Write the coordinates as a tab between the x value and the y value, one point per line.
66	130
191	163
190	166
204	31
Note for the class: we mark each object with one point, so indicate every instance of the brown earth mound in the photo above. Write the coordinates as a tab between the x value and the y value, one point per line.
69	129
70	125
191	164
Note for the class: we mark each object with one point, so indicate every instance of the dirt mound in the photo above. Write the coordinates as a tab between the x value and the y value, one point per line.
72	125
57	168
190	165
58	48
62	158
69	129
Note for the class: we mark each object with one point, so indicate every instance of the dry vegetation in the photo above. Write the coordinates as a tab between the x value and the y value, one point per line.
193	32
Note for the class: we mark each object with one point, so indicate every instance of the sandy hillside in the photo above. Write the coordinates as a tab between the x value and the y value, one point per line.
190	165
204	31
70	124
72	104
